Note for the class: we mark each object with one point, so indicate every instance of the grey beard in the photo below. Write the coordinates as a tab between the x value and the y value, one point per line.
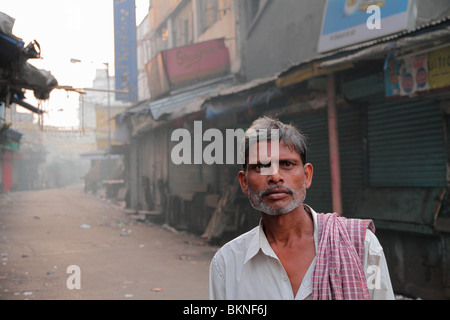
258	204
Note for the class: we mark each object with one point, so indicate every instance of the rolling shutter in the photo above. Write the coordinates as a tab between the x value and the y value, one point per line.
351	157
406	145
315	127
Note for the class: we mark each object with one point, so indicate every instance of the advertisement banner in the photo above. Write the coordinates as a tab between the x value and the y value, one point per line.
406	76
125	43
414	75
187	65
197	62
101	134
391	76
439	68
348	22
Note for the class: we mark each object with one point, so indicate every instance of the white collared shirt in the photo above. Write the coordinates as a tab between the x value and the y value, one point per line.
247	268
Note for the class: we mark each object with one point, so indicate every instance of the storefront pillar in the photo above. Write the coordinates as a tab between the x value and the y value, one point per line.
335	165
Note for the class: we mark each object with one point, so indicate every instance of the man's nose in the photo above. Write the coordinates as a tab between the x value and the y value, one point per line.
274	176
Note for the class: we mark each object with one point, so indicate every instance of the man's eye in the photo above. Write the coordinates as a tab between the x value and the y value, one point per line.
287	164
261	165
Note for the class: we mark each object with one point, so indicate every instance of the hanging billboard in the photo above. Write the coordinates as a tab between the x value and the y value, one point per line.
348	22
125	43
187	65
196	62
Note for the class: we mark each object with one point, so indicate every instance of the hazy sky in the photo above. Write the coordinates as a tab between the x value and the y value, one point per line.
65	29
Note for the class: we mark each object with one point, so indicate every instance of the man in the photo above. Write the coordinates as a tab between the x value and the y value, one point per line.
294	253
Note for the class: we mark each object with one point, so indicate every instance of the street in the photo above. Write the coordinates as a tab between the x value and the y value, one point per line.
52	240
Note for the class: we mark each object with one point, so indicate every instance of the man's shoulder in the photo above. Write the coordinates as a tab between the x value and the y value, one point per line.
238	245
351	223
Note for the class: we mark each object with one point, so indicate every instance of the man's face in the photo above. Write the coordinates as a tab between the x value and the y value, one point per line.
282	188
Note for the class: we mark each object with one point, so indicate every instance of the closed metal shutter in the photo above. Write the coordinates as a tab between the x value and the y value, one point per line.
315	127
134	174
406	145
351	157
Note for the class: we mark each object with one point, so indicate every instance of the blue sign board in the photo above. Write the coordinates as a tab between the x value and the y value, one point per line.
125	50
347	22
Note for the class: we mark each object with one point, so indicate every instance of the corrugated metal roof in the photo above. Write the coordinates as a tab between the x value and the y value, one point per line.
380	45
178	104
173	103
395	36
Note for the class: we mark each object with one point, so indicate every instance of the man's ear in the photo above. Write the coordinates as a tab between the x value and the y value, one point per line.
243	182
309	170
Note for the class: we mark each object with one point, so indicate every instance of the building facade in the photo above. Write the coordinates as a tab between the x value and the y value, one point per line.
377	127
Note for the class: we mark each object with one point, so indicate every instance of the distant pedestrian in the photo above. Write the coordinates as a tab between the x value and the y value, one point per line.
294	253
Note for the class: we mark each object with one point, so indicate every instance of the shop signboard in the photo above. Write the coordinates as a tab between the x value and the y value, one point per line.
187	65
439	68
125	43
102	134
418	73
197	62
348	22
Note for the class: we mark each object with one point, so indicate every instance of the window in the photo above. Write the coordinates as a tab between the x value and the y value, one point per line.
252	9
213	11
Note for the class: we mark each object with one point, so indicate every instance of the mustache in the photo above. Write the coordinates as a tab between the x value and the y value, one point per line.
266	191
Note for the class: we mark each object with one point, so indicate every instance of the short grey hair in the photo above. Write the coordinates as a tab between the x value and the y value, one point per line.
292	137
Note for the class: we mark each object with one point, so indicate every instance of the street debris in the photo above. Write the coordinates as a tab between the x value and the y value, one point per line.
158	289
169	228
85	226
125	233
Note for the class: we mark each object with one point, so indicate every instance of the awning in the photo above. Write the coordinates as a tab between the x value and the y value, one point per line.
308	71
236	98
14	55
10	140
12	134
98	155
147	115
381	50
344	58
187	102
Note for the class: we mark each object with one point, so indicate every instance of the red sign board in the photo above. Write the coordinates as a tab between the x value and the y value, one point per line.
188	65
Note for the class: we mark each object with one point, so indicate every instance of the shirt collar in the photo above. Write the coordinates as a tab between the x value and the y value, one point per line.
259	241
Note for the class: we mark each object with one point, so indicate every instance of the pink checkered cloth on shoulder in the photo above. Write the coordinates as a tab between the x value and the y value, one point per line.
339	274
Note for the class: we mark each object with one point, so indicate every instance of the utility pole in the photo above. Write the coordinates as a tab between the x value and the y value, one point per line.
108	107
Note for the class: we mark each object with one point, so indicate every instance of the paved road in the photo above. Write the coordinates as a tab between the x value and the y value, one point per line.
44	232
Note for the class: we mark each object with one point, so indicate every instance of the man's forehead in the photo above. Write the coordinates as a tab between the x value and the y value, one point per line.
264	149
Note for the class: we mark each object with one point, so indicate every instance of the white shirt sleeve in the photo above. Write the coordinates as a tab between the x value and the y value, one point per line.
216	281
